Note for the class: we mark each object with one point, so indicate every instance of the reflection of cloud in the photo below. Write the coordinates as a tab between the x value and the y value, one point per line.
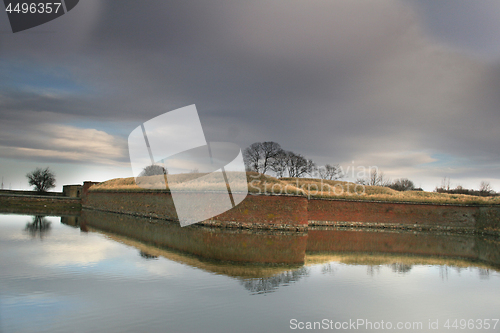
62	251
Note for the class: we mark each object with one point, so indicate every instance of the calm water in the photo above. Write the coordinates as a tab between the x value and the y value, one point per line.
110	273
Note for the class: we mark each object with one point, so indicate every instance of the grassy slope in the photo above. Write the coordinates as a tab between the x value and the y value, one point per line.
316	188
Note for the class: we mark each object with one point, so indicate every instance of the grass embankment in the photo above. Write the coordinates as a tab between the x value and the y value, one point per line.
311	188
317	188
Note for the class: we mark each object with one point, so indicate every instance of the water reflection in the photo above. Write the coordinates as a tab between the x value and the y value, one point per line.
401	268
401	250
209	244
39	227
146	255
73	221
270	284
144	276
263	262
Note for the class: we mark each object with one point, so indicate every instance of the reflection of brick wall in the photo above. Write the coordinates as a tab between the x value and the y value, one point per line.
488	219
392	242
266	212
472	247
211	243
385	214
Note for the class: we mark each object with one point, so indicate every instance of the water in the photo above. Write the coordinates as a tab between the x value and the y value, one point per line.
112	273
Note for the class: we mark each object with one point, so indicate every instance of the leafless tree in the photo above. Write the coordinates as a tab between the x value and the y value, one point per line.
280	163
41	179
330	172
375	178
445	183
485	188
252	156
298	165
260	156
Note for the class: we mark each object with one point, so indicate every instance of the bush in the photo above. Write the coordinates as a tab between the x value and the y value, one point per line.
402	184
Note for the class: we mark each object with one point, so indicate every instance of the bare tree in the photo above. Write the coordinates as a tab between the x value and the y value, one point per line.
311	166
41	179
252	156
280	163
445	183
485	188
330	172
379	178
270	150
375	178
260	156
298	165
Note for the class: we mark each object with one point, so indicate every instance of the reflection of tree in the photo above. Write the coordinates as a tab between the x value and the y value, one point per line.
328	269
146	255
371	270
270	284
443	272
484	273
399	267
39	227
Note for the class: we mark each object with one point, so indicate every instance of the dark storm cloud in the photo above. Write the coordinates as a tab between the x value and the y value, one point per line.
463	24
334	80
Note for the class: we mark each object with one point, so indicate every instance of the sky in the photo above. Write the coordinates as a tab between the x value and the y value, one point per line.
409	86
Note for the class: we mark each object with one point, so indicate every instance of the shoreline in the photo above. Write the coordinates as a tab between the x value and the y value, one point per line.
273	212
39	204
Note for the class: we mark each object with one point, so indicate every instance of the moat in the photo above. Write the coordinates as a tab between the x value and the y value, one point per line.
116	273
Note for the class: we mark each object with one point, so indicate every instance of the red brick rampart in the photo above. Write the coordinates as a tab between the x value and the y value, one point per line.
280	212
255	212
391	215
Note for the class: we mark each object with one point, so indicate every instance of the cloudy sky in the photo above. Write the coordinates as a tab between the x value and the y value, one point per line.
412	87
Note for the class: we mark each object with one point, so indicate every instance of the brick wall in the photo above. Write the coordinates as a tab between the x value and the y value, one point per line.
256	211
296	213
396	215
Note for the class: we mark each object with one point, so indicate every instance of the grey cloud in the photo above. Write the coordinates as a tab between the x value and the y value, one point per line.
332	80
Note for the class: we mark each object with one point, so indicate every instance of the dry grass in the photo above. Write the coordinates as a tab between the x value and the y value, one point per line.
317	188
312	188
